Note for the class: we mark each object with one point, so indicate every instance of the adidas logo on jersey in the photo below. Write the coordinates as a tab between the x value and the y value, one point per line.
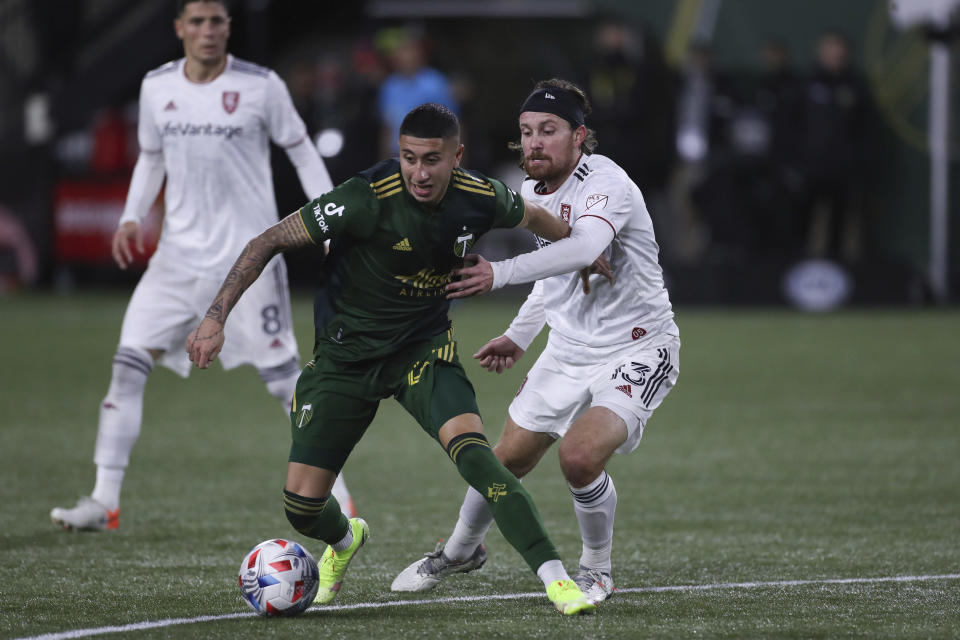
170	106
403	245
626	390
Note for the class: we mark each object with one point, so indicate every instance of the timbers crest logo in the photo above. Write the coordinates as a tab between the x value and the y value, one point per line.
464	241
306	412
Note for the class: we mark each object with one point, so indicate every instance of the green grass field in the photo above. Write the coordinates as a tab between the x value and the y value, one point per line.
801	463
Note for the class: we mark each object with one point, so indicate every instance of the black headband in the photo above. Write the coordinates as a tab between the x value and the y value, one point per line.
559	102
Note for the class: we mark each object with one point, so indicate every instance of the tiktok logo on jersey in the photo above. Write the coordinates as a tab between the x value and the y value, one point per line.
331	209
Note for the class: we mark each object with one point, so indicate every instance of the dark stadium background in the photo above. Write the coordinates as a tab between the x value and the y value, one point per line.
81	61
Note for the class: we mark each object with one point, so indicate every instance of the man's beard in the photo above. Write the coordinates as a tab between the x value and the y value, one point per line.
545	172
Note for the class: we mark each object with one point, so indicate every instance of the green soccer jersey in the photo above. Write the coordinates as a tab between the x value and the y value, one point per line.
390	257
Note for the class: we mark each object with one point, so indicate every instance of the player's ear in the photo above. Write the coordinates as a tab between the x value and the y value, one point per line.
580	134
459	156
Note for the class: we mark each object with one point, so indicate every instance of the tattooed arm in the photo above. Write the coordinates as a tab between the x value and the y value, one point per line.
205	342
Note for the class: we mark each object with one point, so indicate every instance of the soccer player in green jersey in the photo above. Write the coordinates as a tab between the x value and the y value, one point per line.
397	230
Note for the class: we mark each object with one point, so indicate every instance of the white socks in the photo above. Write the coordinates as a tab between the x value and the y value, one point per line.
472	526
345	542
281	381
121	414
551	571
595	506
475	520
107	489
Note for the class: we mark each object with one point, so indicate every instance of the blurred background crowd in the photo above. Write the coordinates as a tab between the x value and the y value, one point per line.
764	135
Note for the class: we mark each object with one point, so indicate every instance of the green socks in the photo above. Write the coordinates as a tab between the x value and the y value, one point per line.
318	518
511	505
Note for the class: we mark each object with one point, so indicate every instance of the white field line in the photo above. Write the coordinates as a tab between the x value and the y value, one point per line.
170	622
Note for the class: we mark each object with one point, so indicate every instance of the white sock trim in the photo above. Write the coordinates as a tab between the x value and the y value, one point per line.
346	541
551	571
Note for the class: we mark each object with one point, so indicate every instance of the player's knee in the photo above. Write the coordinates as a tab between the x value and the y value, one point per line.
580	466
517	465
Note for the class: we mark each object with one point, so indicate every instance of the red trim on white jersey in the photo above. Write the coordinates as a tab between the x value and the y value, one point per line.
297	143
592	215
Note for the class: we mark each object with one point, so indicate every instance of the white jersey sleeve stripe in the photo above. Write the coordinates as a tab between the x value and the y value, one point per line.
591	215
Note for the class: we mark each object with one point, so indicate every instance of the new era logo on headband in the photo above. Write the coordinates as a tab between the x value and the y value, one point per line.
560	102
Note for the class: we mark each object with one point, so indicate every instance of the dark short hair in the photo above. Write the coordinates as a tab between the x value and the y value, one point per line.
182	4
430	120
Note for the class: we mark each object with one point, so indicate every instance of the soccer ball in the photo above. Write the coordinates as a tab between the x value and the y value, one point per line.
278	578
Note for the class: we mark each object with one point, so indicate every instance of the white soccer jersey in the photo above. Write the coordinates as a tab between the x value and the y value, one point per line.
214	140
636	307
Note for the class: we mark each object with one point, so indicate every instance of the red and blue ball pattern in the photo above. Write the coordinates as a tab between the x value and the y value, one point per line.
278	578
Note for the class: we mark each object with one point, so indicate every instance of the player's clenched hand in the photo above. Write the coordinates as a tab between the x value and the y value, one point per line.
205	342
126	233
601	266
498	354
474	279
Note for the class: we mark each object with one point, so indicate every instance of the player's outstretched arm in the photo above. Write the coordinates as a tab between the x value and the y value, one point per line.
205	342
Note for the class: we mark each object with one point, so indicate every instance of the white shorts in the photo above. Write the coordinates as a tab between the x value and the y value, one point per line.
171	300
632	383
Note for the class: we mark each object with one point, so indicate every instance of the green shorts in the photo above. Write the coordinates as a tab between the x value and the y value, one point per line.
335	402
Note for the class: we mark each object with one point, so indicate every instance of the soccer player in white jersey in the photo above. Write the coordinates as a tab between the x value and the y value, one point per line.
206	121
613	351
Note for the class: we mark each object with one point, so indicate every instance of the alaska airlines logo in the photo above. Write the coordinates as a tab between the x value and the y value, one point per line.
208	129
425	282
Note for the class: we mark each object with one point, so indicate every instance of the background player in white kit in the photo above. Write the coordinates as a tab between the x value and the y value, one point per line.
612	354
205	123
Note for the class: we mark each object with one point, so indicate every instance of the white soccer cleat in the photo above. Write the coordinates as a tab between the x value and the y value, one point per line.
87	515
596	585
426	573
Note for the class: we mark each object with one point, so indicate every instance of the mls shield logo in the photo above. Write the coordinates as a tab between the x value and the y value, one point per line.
230	101
565	212
597	201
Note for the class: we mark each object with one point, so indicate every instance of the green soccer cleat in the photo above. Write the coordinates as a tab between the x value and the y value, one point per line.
568	599
333	564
